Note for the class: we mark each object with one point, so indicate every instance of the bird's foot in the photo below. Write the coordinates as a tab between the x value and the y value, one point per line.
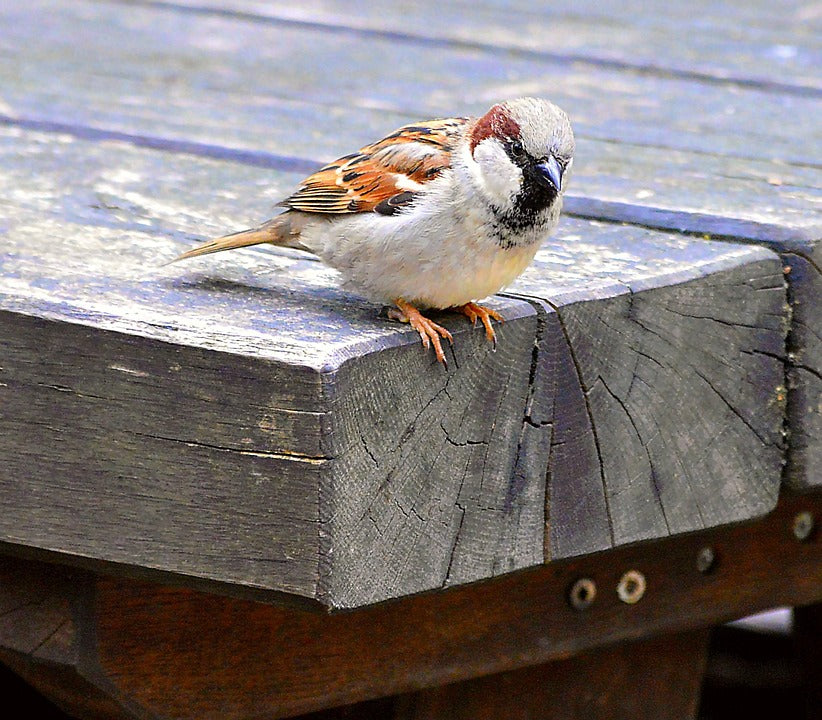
430	332
476	312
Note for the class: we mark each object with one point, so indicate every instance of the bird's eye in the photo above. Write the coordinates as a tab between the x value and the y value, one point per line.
516	149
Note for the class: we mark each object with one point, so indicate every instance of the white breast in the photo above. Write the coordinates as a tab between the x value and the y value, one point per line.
441	253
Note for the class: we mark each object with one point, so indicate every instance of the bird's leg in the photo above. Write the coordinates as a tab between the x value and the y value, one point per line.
476	312
429	331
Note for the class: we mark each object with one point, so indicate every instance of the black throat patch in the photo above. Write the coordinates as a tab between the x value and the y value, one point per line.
516	226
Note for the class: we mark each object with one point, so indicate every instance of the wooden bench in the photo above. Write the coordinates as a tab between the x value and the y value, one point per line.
201	464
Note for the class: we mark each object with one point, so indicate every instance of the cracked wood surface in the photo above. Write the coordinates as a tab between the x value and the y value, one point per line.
675	421
687	136
805	366
304	446
794	230
291	446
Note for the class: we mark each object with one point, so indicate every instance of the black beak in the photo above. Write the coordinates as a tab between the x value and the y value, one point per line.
550	172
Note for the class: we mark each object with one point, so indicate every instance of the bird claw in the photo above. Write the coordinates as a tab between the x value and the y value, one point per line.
430	333
476	312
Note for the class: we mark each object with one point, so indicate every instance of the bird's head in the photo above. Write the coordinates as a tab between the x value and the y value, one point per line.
523	150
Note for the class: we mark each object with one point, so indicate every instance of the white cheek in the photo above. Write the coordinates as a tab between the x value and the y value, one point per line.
499	177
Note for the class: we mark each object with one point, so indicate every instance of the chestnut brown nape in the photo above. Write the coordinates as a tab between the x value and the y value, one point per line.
497	122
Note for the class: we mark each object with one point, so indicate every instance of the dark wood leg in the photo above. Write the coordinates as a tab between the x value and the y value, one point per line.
808	634
137	648
39	637
657	679
65	687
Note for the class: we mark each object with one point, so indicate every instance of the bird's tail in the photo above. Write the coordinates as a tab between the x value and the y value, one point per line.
282	230
227	242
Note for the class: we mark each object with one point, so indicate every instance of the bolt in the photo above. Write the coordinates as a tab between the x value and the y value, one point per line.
705	560
803	525
582	594
631	587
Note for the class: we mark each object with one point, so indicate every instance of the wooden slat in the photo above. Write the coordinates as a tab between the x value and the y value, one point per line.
249	108
775	46
666	431
169	407
729	177
155	70
170	652
728	162
200	421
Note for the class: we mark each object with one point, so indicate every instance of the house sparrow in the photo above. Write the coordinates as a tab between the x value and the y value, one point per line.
438	214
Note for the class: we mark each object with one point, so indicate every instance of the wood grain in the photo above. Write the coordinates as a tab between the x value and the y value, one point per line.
172	652
277	466
215	78
805	366
183	421
705	151
662	432
421	494
774	48
657	679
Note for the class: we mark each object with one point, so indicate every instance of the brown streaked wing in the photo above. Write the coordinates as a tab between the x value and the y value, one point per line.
397	165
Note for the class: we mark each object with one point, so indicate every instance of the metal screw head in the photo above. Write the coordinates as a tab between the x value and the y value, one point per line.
582	594
705	560
631	587
803	525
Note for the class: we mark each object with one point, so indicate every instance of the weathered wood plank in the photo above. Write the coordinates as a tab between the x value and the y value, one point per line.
668	429
743	43
757	197
220	422
111	453
758	188
446	488
805	366
213	78
756	184
754	197
776	205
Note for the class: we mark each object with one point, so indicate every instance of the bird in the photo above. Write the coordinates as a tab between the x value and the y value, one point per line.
436	215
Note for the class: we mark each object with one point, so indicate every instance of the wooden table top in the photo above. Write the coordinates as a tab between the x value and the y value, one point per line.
241	423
